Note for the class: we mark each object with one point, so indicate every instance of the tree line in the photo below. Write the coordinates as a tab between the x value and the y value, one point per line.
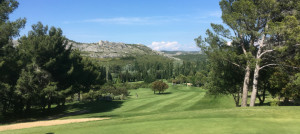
41	70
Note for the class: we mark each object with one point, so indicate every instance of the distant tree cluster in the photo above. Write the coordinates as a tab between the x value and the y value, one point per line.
147	70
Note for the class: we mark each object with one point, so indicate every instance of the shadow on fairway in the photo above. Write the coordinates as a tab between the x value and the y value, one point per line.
89	108
165	93
62	111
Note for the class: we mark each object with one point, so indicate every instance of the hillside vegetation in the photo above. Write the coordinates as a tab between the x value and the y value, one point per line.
106	49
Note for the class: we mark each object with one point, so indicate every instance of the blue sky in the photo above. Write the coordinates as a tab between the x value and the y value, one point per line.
159	24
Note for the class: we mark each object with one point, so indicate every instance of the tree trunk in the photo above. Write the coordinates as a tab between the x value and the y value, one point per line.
106	74
245	86
4	108
49	102
63	101
255	83
262	98
286	101
257	69
28	106
236	99
78	97
49	105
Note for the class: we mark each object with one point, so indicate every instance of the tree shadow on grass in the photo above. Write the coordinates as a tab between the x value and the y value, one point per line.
165	93
62	111
263	104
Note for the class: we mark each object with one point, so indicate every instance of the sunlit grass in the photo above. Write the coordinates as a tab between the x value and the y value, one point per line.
181	110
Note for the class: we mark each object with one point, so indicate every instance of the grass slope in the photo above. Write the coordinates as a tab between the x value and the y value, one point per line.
180	110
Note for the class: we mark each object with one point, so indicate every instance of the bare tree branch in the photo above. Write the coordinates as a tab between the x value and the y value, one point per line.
267	51
291	66
268	65
234	63
279	65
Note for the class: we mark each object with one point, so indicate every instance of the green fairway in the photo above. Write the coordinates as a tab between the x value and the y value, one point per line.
180	110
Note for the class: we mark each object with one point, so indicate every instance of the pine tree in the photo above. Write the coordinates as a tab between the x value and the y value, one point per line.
9	59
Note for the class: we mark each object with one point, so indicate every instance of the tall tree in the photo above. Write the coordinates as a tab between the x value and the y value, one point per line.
277	39
47	49
225	62
9	63
248	20
265	9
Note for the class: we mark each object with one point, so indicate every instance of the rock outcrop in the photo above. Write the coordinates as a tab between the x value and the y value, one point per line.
106	49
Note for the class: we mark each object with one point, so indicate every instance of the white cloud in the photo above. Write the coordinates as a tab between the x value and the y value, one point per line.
120	20
153	20
135	20
174	45
217	14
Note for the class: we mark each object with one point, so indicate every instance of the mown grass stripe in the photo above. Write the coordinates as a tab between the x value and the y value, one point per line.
178	104
152	103
191	102
161	105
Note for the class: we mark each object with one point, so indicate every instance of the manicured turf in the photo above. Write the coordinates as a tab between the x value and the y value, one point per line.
181	110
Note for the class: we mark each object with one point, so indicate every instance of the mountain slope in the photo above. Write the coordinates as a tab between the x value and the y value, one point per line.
106	49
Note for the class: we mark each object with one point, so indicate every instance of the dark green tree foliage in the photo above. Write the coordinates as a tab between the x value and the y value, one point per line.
68	72
142	71
84	75
47	50
9	63
224	77
9	29
115	90
33	89
199	79
285	29
149	78
264	85
159	86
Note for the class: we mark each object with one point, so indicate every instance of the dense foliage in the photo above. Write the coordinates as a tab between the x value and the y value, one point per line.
262	54
42	70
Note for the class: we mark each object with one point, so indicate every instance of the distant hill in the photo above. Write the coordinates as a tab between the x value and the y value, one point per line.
106	49
180	52
192	56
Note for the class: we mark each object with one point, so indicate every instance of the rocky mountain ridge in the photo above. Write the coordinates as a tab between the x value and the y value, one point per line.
106	49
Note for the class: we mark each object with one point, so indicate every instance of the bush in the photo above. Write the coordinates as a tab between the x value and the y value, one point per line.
274	103
91	95
159	86
110	89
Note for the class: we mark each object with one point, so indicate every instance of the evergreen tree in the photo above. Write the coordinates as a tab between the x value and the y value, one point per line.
9	58
48	50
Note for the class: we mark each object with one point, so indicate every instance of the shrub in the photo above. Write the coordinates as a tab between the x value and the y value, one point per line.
109	89
159	86
274	103
91	95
